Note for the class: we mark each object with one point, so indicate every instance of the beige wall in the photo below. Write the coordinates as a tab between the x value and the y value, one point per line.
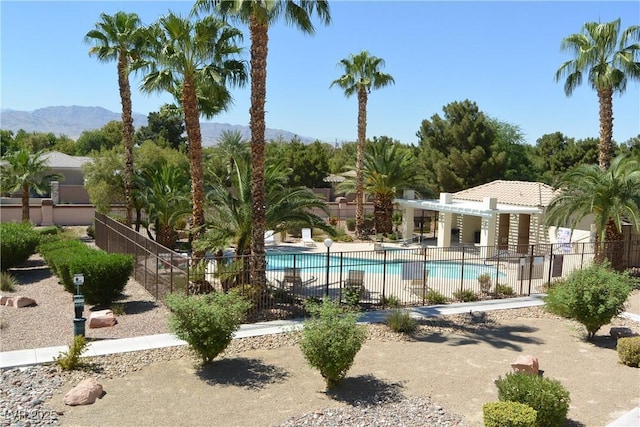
49	214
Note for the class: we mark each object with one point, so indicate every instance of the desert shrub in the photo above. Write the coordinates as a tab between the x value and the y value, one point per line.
485	282
504	290
57	254
70	360
331	339
592	296
629	351
401	321
465	295
105	275
91	231
206	322
434	297
118	309
547	396
8	283
508	414
51	230
352	295
351	224
19	241
390	301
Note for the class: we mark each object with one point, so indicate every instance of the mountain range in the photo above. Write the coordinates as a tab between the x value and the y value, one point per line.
73	120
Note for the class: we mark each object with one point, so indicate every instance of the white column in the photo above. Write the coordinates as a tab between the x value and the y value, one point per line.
489	224
444	222
407	216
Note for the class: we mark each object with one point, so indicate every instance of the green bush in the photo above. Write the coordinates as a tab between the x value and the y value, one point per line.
504	290
71	360
59	250
401	321
547	396
629	351
17	243
390	301
592	296
206	322
434	297
331	339
484	280
105	275
508	414
8	283
465	295
352	295
351	224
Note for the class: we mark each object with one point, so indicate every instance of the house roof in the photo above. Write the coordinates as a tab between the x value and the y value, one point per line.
518	193
58	160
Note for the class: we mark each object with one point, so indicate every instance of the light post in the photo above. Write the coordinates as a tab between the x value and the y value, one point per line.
78	306
327	242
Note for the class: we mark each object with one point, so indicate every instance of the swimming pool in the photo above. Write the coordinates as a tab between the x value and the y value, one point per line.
317	262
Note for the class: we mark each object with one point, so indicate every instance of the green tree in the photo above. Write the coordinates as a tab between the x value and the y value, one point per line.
555	153
25	171
165	127
611	196
194	60
309	163
456	151
515	154
7	141
260	15
104	180
107	137
361	75
120	38
610	59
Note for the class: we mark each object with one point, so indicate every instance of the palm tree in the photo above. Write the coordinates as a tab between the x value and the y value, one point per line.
25	171
388	168
361	75
609	64
611	196
259	15
194	61
120	38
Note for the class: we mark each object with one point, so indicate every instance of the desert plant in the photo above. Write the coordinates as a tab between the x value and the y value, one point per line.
352	295
18	243
434	297
401	321
351	224
465	295
485	282
508	414
629	351
206	322
592	296
105	275
547	396
331	339
8	283
118	309
504	290
390	301
70	360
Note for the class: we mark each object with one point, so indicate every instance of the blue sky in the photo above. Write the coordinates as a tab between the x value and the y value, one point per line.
502	55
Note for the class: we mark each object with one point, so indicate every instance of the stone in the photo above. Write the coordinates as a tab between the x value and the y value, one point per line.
3	299
620	332
85	393
526	364
102	319
17	301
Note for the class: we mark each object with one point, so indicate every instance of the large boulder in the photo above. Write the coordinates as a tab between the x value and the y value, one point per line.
85	393
101	319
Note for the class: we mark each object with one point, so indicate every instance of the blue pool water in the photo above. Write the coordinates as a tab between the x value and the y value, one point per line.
317	262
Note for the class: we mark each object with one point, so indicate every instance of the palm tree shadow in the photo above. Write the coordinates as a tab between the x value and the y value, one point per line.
244	372
367	390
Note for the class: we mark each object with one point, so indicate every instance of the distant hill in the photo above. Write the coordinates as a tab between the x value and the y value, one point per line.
74	120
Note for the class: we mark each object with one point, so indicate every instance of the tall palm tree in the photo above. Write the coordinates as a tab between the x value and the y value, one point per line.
611	196
610	59
388	168
24	171
120	38
260	15
361	75
194	60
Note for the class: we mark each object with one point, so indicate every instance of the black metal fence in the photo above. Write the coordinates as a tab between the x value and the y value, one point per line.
382	276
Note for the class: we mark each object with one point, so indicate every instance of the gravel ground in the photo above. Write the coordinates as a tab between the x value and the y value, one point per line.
25	393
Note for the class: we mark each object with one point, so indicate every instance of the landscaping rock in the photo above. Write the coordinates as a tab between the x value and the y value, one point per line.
527	364
102	319
17	301
85	393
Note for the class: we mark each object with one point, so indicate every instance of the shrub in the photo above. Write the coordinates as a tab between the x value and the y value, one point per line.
401	321
592	296
390	301
19	241
91	231
57	253
629	351
353	295
8	283
434	297
504	290
465	295
331	339
206	322
508	414
351	224
71	360
485	282
105	275
547	396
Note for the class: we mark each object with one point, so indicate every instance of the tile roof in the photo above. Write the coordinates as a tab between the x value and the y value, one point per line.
58	160
519	193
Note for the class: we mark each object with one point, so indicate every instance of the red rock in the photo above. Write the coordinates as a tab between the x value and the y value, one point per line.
3	300
102	319
526	364
19	302
85	393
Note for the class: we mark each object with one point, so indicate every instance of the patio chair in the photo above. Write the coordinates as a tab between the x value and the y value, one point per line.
269	238
306	237
355	282
378	248
293	279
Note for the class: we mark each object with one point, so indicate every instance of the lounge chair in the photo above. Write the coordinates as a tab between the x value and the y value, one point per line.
378	248
306	237
355	283
269	238
292	278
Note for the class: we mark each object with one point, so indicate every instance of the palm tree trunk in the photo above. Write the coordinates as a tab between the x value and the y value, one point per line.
362	135
614	246
192	125
25	203
127	130
383	212
605	97
259	41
